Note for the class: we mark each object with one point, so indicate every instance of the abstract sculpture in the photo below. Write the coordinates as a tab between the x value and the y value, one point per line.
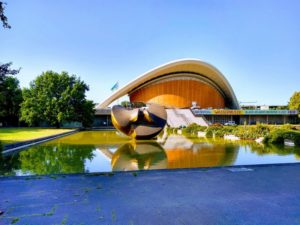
142	123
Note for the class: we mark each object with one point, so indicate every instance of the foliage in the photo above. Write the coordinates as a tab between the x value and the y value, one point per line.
10	100
252	132
87	113
277	136
55	159
194	128
272	134
5	71
48	159
294	103
244	132
10	95
55	98
128	104
3	18
171	130
125	104
219	131
282	107
1	147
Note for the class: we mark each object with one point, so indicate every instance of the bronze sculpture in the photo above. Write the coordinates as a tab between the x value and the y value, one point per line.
141	123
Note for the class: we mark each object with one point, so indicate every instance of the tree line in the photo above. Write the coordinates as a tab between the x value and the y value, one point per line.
52	98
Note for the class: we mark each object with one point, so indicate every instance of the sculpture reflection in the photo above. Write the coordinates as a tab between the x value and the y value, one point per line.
139	156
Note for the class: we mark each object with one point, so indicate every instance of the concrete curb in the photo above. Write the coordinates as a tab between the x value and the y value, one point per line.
25	144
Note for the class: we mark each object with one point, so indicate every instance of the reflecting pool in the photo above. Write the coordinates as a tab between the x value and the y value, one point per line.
104	151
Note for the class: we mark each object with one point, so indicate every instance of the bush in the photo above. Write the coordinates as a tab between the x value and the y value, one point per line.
194	128
277	136
252	132
1	147
219	131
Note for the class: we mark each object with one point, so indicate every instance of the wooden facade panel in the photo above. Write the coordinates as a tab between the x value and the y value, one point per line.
179	94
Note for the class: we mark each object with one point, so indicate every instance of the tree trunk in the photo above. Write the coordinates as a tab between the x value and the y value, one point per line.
57	125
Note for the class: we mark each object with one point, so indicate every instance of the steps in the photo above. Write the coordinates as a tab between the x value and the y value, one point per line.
183	117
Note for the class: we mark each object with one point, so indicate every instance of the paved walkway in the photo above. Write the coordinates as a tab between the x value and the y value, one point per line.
261	195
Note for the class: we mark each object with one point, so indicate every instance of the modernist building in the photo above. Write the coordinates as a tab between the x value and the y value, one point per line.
179	84
191	84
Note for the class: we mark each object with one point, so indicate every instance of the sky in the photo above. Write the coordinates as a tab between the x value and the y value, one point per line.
255	44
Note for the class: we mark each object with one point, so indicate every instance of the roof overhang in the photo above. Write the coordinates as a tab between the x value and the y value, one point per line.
191	66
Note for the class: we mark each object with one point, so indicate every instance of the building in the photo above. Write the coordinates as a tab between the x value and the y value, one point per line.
180	84
191	91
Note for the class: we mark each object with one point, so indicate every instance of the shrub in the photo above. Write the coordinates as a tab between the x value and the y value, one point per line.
252	132
219	131
277	136
194	128
171	130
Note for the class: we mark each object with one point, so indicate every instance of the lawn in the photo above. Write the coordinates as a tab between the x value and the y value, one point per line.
10	135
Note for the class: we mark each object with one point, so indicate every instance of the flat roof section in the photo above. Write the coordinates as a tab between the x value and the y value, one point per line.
243	112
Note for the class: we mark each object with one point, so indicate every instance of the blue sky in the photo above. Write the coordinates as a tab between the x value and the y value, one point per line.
255	44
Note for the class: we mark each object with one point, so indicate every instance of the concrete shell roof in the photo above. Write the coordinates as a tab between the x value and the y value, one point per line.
194	66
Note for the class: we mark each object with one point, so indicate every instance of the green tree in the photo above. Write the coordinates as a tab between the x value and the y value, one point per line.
10	100
294	103
5	71
55	98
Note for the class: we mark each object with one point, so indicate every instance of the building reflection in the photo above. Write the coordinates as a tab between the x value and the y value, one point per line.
183	153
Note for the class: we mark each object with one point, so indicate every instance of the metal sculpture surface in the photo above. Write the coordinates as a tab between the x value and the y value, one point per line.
139	156
142	123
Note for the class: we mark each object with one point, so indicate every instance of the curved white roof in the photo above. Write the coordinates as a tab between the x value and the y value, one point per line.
193	66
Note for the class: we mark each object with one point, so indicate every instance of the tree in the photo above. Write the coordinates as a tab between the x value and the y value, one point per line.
294	103
10	95
5	71
10	92
3	18
10	100
56	98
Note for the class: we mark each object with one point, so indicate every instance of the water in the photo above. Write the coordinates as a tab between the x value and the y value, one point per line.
104	151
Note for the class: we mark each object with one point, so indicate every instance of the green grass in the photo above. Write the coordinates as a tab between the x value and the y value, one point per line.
11	135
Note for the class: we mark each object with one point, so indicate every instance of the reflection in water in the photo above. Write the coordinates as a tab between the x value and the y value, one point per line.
139	156
8	165
97	151
178	152
51	159
183	153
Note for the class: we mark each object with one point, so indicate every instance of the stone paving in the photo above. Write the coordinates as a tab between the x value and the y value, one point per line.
218	196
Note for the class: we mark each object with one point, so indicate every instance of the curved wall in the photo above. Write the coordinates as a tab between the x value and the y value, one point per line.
191	67
179	94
